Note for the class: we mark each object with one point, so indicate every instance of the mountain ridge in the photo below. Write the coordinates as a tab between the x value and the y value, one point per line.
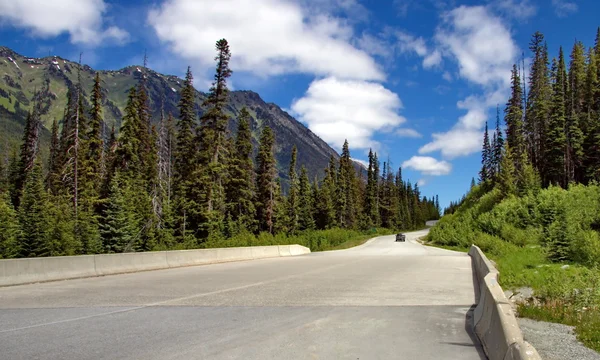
22	76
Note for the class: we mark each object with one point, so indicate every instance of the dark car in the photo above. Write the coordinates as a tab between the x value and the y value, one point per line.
400	237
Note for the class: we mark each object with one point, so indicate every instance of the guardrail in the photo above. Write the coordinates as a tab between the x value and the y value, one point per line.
495	323
31	270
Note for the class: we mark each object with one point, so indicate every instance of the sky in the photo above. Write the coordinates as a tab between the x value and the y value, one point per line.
414	80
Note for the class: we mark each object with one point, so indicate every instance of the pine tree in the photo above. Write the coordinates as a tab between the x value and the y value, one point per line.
514	115
54	171
9	228
499	145
292	198
213	139
117	230
186	148
29	151
266	186
346	204
33	217
184	161
241	187
556	141
486	154
305	202
325	204
507	180
95	160
129	148
537	102
574	107
372	191
592	114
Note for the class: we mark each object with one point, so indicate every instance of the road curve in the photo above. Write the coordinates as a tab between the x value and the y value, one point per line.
381	300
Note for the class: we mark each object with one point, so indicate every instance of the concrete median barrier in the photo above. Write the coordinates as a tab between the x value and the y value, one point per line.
21	271
32	270
130	262
495	322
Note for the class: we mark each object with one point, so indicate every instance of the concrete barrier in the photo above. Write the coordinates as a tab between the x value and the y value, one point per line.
495	323
21	271
179	258
31	270
109	264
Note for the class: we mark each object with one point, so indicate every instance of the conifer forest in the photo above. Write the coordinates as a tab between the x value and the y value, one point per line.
187	182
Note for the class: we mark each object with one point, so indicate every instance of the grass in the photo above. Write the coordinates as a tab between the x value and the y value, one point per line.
568	295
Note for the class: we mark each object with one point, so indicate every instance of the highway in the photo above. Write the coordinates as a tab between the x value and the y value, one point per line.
381	300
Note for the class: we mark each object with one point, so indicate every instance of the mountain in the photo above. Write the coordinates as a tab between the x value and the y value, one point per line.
23	76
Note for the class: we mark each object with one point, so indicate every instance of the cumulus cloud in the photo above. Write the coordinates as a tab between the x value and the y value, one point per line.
517	9
339	109
484	51
267	37
428	165
410	133
563	8
408	43
81	19
480	43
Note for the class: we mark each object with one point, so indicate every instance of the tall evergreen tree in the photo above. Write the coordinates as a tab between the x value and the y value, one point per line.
498	144
33	217
346	204
117	227
507	179
537	102
592	115
29	151
305	202
54	170
556	141
292	198
486	155
95	159
266	185
513	115
213	139
574	107
241	186
9	228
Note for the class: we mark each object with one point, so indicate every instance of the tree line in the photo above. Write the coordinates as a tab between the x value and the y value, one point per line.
179	183
552	123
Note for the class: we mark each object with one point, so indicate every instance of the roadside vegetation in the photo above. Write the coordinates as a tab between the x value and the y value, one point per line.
315	240
536	209
547	240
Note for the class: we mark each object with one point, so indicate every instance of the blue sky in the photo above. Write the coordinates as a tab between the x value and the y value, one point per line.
413	79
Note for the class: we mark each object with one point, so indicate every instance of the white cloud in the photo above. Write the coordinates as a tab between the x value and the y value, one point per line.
480	43
433	59
483	48
81	19
410	133
421	182
564	8
267	37
517	9
428	165
454	143
374	45
447	76
408	43
338	109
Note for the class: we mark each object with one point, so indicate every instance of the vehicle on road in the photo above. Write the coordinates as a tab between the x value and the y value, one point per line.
400	237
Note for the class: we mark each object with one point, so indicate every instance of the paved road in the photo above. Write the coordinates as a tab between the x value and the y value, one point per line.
382	300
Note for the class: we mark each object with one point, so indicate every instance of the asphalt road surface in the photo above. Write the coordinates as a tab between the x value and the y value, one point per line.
382	300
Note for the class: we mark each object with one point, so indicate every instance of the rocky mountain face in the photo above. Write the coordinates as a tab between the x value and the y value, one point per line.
22	77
